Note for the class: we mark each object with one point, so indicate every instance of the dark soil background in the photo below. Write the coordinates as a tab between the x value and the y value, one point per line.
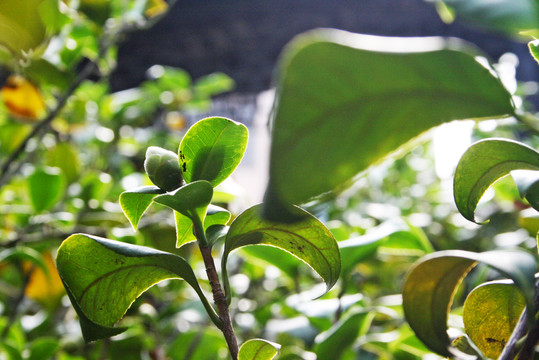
243	38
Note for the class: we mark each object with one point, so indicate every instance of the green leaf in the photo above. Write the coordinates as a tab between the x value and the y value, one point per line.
135	202
431	283
534	49
44	348
24	253
213	84
212	149
490	314
184	226
46	187
342	100
308	240
104	277
258	349
508	16
64	155
330	344
485	162
191	201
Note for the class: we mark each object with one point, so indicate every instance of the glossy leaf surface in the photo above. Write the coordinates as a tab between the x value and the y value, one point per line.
309	240
342	100
485	162
212	149
490	314
191	200
258	349
431	283
103	278
135	202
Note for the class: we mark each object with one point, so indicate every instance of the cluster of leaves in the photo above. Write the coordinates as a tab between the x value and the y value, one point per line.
345	102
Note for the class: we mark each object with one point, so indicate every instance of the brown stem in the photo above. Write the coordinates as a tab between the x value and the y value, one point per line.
220	300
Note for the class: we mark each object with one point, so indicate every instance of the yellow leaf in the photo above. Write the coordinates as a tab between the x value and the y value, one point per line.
156	8
46	289
22	98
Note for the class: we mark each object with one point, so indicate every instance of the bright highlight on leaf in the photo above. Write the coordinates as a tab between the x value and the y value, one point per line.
485	162
104	277
135	202
308	240
258	349
22	98
431	283
212	149
342	100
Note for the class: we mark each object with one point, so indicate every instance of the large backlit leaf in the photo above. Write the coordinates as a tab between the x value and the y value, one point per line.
104	277
46	186
490	314
212	149
135	202
258	349
431	283
508	16
485	162
309	240
345	101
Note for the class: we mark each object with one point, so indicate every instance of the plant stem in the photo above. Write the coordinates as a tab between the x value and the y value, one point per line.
220	300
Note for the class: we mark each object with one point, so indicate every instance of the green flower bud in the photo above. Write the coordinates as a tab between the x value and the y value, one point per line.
163	168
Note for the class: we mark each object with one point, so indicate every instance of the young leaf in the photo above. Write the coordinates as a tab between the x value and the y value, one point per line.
485	162
308	240
191	201
490	314
212	149
184	226
258	349
103	278
135	202
431	283
46	187
342	100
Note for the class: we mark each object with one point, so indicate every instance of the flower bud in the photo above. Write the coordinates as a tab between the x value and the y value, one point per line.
163	168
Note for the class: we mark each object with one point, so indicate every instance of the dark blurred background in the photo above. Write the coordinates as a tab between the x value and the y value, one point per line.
243	38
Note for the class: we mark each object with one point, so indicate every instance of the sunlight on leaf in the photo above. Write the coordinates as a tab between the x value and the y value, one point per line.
258	349
212	149
135	202
308	240
484	163
490	314
104	277
431	283
342	100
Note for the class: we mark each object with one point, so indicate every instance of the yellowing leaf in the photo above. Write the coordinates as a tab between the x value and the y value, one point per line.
46	289
156	8
22	98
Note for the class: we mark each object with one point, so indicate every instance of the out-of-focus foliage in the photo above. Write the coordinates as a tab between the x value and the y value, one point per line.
67	178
